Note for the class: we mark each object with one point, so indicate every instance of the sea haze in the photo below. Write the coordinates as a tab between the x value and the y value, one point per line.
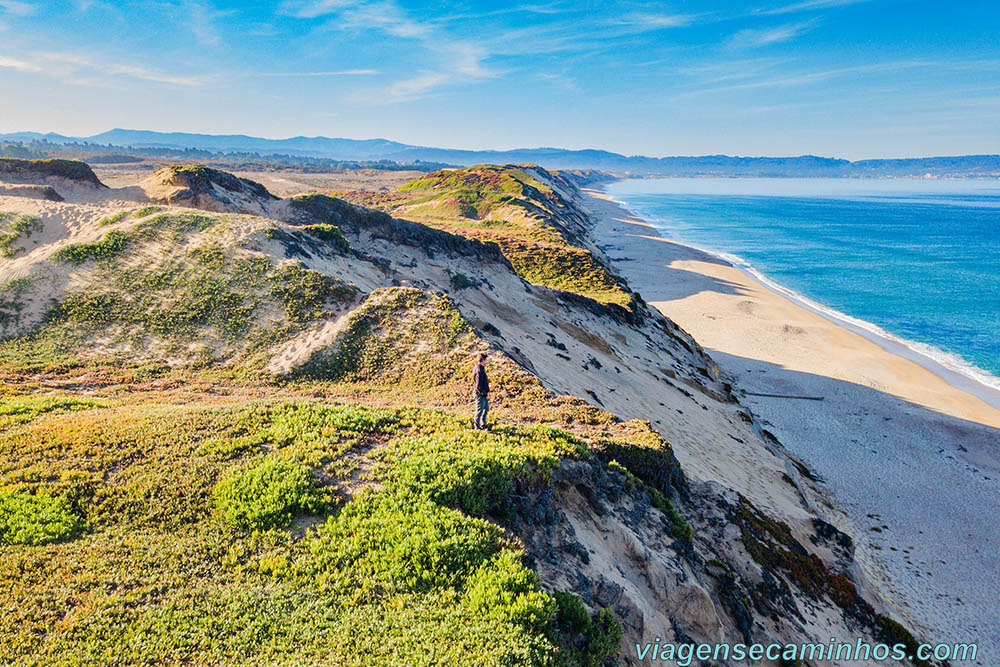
919	259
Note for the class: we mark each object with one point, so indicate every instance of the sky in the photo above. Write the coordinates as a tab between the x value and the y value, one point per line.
841	78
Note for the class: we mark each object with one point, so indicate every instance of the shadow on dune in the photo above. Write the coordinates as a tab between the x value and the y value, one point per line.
673	283
679	284
922	488
977	444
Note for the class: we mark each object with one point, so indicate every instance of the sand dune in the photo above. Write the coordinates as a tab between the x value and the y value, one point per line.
612	550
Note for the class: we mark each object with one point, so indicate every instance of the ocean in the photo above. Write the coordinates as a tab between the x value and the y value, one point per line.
913	262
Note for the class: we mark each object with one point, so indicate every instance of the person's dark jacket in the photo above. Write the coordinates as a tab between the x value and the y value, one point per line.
480	381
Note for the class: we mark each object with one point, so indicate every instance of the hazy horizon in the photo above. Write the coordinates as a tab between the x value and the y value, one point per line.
461	148
850	78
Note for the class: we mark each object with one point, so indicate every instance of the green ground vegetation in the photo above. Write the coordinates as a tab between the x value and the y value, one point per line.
12	302
523	215
330	234
194	519
164	499
275	532
202	300
35	519
13	228
185	517
121	216
398	335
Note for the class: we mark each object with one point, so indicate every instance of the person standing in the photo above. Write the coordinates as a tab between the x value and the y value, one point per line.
481	392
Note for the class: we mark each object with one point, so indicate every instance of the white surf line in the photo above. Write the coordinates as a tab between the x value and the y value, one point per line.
952	369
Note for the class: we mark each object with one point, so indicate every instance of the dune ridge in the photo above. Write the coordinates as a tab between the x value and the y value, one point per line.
166	367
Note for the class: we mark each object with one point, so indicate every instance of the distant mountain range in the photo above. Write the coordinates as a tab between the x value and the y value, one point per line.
557	158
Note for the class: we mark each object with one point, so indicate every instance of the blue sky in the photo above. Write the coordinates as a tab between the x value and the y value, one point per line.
849	78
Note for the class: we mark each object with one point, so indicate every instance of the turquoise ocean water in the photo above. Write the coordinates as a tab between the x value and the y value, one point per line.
916	261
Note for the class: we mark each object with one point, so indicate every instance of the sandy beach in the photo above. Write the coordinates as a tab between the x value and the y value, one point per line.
910	459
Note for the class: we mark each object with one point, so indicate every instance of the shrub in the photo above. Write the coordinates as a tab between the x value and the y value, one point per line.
594	637
564	267
473	471
330	234
134	213
461	281
268	494
292	422
24	410
71	169
79	253
33	520
11	304
145	211
681	529
304	292
504	590
603	638
180	224
223	449
396	543
570	612
16	225
112	219
650	458
449	473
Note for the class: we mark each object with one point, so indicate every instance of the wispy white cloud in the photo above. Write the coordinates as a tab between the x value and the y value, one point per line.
343	72
583	37
544	39
382	15
311	9
750	80
809	5
560	79
198	17
408	89
79	68
459	60
453	60
17	8
154	75
643	22
538	9
756	37
7	62
201	18
725	71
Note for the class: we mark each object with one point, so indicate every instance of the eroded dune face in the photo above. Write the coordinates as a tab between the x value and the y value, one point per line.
31	191
208	189
51	180
707	538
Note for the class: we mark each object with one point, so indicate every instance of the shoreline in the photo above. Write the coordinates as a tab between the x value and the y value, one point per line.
909	454
972	380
